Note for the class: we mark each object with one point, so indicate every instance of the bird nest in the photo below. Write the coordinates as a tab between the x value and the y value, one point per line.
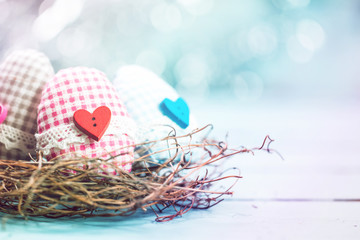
61	188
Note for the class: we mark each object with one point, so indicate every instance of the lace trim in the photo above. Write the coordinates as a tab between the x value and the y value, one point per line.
14	138
62	137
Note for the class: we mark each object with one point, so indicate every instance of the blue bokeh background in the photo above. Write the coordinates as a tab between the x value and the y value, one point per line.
247	50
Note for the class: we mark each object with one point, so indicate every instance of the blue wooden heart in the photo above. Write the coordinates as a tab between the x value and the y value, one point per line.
177	111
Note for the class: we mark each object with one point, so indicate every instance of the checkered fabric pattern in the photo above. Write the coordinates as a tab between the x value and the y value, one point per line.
84	88
142	92
22	77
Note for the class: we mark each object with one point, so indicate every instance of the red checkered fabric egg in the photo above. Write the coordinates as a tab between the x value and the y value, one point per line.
23	74
78	88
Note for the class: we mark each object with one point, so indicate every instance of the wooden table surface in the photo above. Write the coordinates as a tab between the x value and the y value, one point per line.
313	193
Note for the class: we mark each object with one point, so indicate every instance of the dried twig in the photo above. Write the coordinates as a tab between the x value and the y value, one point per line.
62	188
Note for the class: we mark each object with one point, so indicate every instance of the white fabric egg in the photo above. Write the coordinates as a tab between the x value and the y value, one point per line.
143	92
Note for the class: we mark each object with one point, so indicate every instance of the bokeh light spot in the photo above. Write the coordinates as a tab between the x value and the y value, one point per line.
54	19
310	34
262	39
193	74
166	17
289	4
71	42
297	52
197	7
192	70
299	3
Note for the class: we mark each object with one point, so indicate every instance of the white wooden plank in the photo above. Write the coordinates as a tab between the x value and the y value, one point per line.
230	220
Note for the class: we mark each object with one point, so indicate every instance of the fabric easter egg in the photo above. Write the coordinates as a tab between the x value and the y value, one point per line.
143	93
84	88
23	74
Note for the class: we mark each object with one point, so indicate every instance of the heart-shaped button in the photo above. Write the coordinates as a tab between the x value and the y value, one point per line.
94	125
3	113
177	111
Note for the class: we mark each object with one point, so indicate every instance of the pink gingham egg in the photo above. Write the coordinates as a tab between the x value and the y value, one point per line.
23	74
78	88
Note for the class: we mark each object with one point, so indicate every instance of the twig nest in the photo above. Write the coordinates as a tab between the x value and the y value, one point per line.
22	77
84	89
153	103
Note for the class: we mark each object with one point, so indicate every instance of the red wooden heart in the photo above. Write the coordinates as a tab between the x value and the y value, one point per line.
94	125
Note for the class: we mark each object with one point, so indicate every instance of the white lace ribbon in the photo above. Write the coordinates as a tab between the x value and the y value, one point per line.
63	136
14	138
